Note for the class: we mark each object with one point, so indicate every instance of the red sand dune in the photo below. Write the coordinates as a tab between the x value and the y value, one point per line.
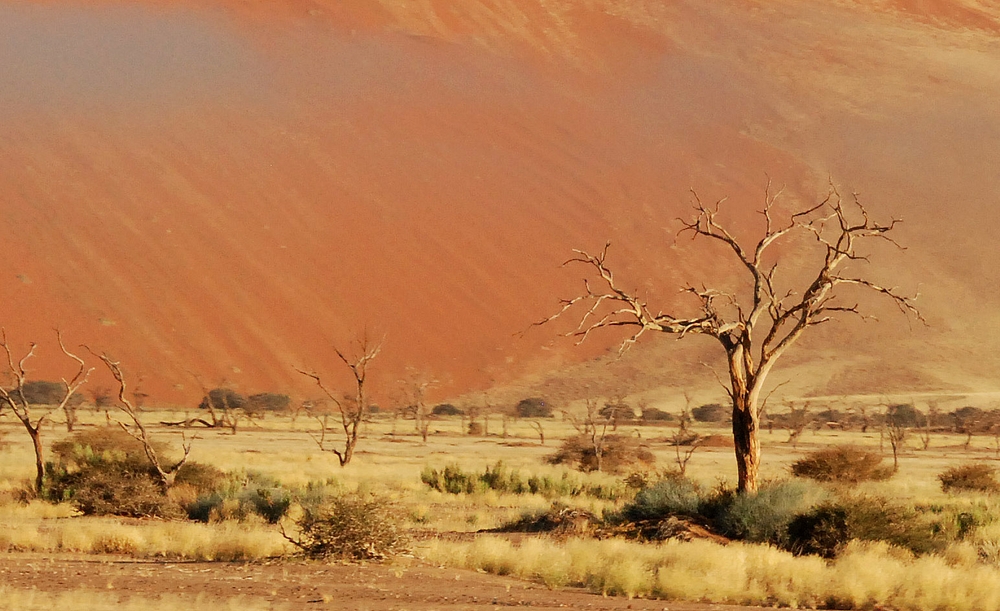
230	189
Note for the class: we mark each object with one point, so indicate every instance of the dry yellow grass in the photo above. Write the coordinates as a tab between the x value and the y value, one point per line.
964	577
192	541
865	576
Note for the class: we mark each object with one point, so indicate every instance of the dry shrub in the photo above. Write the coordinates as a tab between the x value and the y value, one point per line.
105	471
558	520
842	464
350	527
619	454
975	477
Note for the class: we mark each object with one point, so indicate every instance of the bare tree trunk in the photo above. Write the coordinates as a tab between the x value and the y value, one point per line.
70	417
746	442
36	442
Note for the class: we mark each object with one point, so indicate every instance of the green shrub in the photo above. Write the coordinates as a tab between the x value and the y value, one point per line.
976	477
842	464
239	496
533	407
44	392
763	517
619	453
452	479
223	399
446	409
351	527
821	532
669	496
904	415
828	527
653	414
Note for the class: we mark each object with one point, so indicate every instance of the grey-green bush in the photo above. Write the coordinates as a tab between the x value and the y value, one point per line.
763	517
671	495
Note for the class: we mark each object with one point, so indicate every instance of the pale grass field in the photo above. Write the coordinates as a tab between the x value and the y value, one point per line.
390	465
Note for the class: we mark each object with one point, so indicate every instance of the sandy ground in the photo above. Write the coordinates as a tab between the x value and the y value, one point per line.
302	585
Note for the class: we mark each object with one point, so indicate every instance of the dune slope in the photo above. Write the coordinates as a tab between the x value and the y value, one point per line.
218	192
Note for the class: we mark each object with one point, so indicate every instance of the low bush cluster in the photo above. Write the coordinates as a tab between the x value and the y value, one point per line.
240	496
500	478
447	409
712	412
842	464
976	477
533	407
829	527
797	515
619	453
105	471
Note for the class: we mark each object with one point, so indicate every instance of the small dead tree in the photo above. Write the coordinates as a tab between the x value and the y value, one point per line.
796	422
929	418
535	424
594	427
756	332
896	433
686	438
32	417
353	411
166	473
859	412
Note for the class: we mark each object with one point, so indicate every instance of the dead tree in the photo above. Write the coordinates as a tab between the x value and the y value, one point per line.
929	418
684	436
594	427
354	410
535	424
32	417
755	332
796	422
896	433
166	473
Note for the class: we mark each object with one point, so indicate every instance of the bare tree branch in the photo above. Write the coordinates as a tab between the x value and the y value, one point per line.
352	411
757	332
16	398
138	431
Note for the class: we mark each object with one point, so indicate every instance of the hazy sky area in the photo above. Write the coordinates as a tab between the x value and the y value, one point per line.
117	57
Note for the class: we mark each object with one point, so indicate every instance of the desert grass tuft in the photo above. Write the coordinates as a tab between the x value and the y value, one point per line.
865	575
227	541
